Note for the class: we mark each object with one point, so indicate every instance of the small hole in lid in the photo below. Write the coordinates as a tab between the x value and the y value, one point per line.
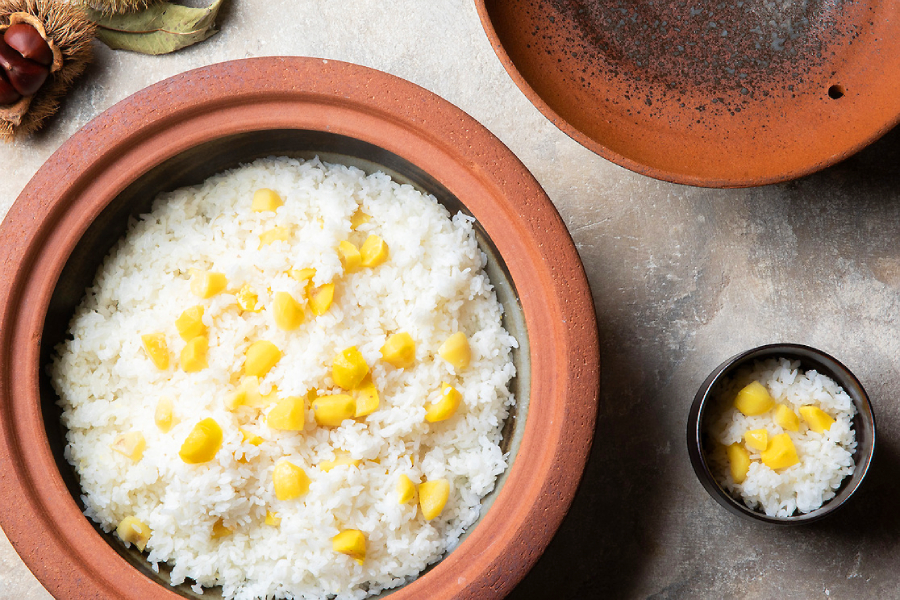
835	92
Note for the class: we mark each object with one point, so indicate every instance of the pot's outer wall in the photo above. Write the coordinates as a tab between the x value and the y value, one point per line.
37	512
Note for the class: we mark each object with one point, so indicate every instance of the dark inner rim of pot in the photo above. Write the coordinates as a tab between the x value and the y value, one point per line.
808	362
194	166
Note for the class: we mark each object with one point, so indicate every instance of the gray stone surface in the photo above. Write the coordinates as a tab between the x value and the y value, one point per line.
682	279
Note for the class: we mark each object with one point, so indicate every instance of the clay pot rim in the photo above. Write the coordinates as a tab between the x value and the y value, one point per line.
838	149
37	512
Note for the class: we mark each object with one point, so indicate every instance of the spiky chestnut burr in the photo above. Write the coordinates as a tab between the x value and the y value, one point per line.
117	7
68	32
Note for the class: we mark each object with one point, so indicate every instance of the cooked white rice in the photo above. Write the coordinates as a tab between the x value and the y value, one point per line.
825	458
432	286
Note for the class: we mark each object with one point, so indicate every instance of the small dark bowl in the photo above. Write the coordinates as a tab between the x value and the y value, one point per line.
810	358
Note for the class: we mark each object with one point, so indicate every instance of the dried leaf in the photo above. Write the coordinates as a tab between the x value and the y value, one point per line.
158	29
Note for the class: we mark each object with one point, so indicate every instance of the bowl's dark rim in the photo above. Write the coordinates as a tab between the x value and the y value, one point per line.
37	512
780	175
865	419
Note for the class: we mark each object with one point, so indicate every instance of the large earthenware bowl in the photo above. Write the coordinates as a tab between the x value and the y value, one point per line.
187	128
718	94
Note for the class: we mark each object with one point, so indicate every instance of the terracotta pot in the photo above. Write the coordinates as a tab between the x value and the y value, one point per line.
182	130
712	94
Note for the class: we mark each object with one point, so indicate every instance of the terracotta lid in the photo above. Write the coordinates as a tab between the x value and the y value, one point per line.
713	94
165	131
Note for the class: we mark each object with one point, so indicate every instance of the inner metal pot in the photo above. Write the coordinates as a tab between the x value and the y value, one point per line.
192	167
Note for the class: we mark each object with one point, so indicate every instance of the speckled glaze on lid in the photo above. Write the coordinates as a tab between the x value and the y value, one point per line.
717	94
224	106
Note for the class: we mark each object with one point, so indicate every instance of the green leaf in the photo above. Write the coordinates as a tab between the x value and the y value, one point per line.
158	29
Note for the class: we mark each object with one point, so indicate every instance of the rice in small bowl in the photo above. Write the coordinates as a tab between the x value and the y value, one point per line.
129	410
782	433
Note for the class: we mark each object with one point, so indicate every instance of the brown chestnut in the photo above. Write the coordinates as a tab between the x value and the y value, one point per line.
8	93
25	39
25	75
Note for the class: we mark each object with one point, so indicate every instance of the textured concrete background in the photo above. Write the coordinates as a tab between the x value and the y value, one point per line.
682	279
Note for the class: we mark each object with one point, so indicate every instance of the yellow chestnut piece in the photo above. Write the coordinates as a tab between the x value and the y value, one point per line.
781	452
445	407
247	299
340	459
374	251
433	496
367	399
267	400
164	416
289	414
260	357
399	350
358	218
754	399
331	411
302	275
190	323
287	312
276	234
131	445
350	256
738	461
349	368
817	419
134	531
351	542
193	355
266	200
757	439
406	489
156	348
205	284
456	351
202	442
219	530
787	418
272	519
320	298
246	394
290	480
248	437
